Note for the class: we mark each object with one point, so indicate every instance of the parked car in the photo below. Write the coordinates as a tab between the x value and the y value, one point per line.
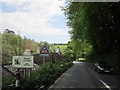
102	67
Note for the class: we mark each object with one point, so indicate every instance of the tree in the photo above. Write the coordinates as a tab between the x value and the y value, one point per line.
31	45
95	23
14	45
8	31
11	45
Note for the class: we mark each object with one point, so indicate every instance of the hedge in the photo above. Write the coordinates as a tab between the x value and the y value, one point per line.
40	77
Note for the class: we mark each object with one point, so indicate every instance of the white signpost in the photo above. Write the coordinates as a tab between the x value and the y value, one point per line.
23	61
44	52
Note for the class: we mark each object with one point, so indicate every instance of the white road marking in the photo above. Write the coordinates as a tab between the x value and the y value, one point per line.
106	85
50	87
56	81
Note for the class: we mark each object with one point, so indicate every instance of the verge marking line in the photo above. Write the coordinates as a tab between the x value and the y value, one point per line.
56	81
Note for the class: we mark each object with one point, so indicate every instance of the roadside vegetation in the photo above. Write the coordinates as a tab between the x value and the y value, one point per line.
95	36
40	77
14	45
94	31
62	48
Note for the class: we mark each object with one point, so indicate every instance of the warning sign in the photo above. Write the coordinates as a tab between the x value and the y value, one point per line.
44	51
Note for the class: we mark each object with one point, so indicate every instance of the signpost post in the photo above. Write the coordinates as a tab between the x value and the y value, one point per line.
22	62
44	52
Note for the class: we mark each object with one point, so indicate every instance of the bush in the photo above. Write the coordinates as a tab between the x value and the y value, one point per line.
9	84
41	77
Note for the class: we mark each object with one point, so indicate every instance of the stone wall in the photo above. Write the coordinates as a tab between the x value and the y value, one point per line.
6	73
52	57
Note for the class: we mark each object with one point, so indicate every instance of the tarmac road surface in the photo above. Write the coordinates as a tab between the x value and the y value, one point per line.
82	76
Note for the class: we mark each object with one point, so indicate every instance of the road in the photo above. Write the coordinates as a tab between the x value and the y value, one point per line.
82	75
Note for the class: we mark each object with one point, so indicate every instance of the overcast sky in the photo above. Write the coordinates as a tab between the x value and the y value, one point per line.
41	20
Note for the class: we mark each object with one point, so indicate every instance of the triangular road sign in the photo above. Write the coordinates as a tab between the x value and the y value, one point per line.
44	50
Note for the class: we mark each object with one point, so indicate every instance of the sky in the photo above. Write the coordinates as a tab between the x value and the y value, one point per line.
40	20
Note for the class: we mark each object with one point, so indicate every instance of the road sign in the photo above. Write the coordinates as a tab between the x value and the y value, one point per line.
44	51
23	61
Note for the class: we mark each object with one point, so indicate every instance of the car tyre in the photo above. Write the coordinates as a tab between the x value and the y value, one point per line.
95	69
98	71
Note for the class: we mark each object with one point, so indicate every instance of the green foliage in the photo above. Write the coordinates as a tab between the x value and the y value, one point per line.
41	43
41	77
13	45
9	84
76	49
95	25
111	58
54	47
31	45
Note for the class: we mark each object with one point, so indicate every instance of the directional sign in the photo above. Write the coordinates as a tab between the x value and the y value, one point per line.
44	51
23	61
